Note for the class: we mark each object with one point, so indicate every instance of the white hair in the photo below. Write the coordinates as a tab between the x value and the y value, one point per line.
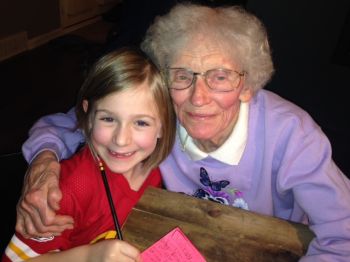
242	33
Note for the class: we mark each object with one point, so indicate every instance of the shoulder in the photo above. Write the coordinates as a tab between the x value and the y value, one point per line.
272	101
284	125
155	178
79	173
280	112
79	161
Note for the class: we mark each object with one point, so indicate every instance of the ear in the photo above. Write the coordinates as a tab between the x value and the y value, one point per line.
85	105
246	94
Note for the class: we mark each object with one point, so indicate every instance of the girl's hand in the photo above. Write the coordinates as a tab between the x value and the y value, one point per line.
113	250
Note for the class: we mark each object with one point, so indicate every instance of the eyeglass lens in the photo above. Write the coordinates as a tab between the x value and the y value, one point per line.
216	79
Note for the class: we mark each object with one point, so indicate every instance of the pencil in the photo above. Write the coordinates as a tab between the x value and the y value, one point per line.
110	201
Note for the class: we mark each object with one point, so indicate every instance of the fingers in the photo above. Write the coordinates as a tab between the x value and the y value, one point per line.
20	224
26	221
130	251
24	225
33	225
113	250
54	197
36	209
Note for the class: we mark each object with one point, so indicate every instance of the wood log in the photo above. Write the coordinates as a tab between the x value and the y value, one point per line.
220	232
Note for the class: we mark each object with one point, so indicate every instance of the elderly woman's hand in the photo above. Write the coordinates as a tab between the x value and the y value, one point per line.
36	209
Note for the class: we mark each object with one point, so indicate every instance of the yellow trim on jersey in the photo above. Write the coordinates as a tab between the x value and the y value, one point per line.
106	235
19	252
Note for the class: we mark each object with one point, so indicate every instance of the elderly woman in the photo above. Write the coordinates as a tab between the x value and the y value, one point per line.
237	144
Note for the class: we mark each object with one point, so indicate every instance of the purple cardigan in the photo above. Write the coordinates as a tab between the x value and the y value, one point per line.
286	171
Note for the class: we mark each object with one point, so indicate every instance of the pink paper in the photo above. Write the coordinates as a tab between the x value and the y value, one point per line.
174	246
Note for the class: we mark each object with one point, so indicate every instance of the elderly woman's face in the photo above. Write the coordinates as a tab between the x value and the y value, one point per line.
207	116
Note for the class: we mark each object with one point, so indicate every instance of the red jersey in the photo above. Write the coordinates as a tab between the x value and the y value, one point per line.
85	199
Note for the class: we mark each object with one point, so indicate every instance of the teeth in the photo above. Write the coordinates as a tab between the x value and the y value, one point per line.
126	154
121	154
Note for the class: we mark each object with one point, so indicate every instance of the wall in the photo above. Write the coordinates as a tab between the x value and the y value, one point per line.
16	16
304	36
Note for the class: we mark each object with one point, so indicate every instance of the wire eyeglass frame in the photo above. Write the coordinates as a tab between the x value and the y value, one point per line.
212	77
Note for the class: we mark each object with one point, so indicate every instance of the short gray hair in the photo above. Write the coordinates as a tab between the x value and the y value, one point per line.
241	32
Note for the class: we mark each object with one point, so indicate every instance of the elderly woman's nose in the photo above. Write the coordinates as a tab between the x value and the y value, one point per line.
200	93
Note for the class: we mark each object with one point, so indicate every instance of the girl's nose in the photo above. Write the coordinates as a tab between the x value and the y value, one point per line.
121	136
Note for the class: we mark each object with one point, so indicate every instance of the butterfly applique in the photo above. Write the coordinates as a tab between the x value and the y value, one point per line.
216	185
212	191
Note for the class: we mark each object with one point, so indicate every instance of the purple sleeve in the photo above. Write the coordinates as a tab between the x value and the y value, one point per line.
321	190
57	133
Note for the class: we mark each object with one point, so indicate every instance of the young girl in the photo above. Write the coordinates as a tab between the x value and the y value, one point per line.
126	115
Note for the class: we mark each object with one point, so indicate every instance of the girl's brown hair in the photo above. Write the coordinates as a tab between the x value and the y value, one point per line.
126	69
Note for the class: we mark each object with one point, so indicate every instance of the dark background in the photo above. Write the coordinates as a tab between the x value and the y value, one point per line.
311	52
311	48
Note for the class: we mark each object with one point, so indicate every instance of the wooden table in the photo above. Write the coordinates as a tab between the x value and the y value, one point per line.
221	233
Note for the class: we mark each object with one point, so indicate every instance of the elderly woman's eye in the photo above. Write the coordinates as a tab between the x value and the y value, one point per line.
182	76
222	76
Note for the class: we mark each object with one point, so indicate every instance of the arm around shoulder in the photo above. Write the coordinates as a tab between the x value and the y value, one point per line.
57	133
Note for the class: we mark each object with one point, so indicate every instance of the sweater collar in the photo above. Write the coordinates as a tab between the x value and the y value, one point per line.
231	151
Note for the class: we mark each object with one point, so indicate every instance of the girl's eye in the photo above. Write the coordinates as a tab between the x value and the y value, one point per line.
107	119
141	123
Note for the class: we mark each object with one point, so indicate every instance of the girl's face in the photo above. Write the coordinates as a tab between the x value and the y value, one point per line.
208	116
126	128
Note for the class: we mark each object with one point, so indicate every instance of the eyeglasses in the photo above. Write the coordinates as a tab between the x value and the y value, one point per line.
218	80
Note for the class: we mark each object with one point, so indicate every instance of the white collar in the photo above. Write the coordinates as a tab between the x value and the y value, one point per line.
231	151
